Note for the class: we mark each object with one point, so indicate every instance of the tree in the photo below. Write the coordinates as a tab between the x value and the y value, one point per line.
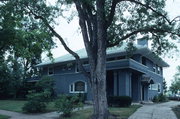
22	42
175	85
164	86
106	23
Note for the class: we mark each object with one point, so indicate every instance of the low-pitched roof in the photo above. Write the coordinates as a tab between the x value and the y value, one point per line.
146	52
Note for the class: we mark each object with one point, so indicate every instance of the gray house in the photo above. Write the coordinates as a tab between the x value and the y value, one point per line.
139	77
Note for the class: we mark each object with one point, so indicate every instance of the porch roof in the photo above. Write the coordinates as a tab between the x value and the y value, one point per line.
144	51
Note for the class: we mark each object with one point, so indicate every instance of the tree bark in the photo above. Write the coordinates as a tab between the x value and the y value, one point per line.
100	107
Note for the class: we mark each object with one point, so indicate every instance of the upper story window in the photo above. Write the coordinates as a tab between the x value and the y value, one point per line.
68	66
50	70
159	70
78	87
154	69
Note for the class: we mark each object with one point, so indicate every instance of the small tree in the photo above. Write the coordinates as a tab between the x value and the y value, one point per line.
164	86
66	104
175	85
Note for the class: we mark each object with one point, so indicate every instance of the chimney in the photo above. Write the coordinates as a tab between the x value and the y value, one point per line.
142	42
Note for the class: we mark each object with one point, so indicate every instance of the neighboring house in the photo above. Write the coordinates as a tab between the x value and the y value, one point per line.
139	77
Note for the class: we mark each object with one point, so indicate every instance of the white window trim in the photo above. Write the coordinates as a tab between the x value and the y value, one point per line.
156	87
52	71
73	85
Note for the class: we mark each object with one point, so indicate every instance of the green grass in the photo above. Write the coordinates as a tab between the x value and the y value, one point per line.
120	113
12	105
4	117
177	111
16	105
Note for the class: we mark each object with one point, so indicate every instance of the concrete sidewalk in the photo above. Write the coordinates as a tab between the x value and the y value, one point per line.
50	115
156	111
16	115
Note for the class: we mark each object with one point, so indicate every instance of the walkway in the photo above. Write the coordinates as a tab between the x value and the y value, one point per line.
16	115
156	111
50	115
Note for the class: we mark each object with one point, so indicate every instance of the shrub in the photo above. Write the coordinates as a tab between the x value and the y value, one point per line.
34	106
66	104
160	98
37	102
46	83
119	101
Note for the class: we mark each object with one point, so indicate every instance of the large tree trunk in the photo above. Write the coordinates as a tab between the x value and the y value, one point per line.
100	108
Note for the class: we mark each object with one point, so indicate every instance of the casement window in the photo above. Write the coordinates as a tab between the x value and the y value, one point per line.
159	87
156	87
78	87
50	70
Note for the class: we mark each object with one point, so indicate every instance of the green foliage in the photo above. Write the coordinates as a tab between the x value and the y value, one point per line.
40	96
66	104
160	98
37	102
164	86
46	83
175	85
119	101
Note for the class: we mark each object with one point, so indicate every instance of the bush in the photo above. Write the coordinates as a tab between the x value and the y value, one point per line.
66	104
119	101
37	102
160	98
46	83
34	106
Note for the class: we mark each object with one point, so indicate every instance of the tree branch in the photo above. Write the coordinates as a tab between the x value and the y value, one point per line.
82	24
62	42
148	7
138	31
112	13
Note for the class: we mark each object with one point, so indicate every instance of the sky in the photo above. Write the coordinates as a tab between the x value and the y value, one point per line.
71	33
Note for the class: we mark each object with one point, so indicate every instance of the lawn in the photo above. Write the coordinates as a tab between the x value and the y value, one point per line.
12	105
121	113
16	105
177	111
4	117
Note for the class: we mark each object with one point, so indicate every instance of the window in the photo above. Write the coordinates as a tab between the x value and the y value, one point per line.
156	87
154	69
78	87
159	70
50	71
159	87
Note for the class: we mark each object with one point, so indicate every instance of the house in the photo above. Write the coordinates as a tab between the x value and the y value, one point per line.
139	77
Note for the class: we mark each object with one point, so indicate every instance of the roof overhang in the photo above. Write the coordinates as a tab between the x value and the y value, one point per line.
147	79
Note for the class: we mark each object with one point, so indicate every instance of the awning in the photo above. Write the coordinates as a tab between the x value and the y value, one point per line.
147	79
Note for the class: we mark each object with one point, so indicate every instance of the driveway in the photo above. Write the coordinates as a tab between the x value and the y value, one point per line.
156	111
